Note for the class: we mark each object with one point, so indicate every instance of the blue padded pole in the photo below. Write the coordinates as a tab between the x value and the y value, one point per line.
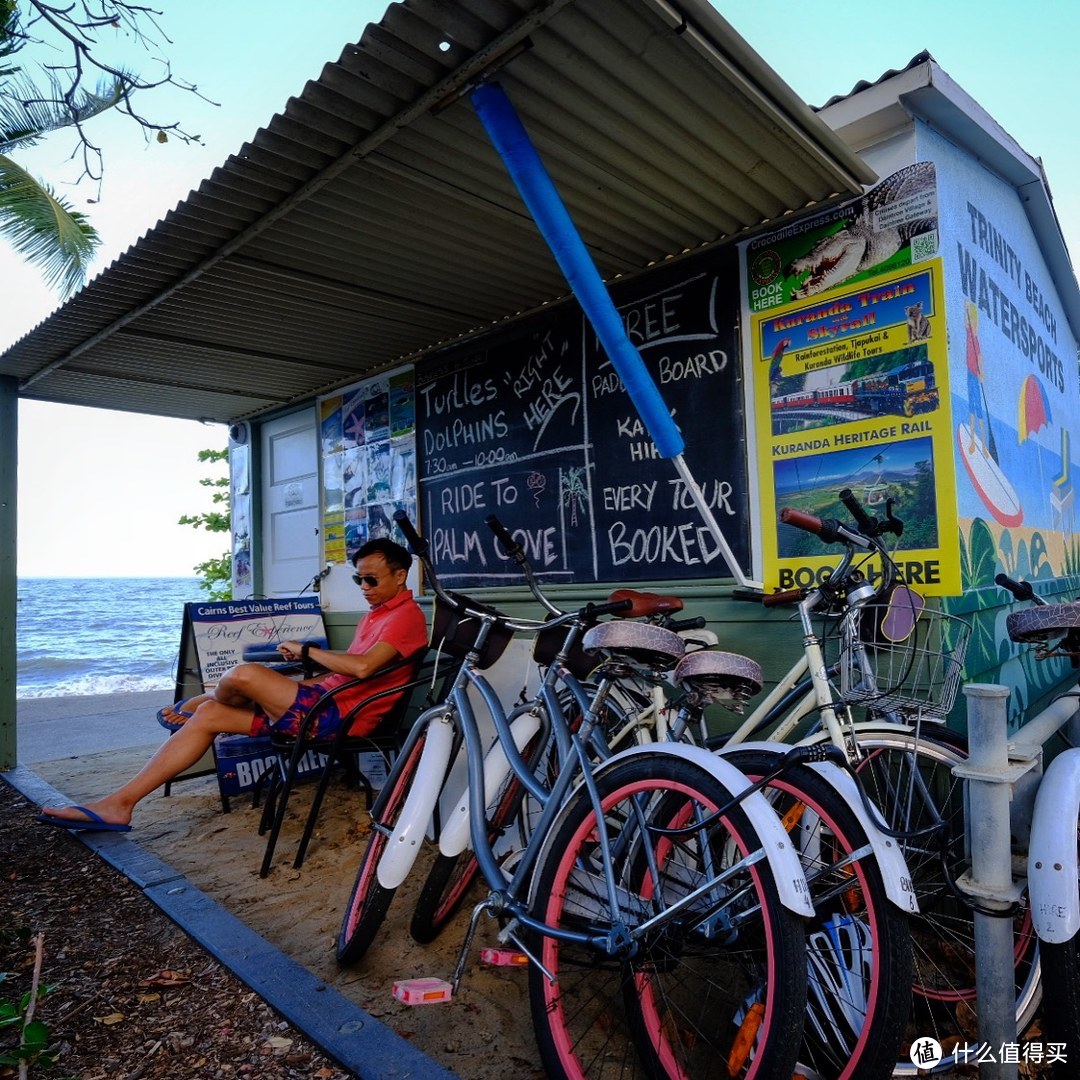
523	163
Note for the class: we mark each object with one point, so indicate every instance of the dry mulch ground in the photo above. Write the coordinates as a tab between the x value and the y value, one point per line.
132	996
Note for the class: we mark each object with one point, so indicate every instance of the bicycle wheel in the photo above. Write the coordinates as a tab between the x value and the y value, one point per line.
450	876
911	782
858	943
369	901
718	990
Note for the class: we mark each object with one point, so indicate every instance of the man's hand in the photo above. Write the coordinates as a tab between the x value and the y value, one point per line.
290	650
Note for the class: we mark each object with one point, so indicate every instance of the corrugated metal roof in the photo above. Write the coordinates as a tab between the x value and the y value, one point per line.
373	220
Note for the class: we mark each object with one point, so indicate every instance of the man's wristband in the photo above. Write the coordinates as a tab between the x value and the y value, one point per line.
304	650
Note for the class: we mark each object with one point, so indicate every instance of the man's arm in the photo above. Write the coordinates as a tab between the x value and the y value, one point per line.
355	665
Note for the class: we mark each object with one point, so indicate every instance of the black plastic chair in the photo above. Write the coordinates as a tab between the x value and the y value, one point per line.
426	686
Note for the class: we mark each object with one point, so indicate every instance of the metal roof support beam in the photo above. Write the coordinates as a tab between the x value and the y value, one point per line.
210	348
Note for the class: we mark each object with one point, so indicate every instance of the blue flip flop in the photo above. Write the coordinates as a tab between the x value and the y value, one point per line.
178	707
94	823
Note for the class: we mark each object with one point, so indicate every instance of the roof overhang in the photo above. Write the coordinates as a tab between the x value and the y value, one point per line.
373	221
873	112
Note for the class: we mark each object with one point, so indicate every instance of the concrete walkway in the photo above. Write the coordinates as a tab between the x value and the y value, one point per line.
51	729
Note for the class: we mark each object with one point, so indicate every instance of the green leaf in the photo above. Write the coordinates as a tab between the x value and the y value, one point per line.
44	229
36	1034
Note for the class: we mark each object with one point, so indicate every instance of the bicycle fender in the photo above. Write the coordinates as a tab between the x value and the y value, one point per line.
776	844
456	832
887	853
408	835
1052	852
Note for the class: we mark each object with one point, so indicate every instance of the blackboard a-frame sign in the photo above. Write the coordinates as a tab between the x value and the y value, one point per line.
534	425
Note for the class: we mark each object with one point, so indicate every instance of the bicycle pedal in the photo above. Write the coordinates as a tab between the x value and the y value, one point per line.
423	991
503	958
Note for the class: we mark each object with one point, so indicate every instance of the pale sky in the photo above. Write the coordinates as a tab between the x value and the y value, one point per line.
100	492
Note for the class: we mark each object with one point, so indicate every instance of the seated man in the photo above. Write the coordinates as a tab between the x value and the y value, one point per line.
253	700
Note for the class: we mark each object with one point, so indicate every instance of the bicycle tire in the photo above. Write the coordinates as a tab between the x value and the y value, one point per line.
451	876
369	901
858	942
1061	1001
726	1001
943	988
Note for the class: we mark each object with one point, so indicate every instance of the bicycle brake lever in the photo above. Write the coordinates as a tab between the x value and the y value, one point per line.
891	523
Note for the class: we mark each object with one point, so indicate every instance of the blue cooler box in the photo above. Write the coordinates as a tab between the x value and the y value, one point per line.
242	759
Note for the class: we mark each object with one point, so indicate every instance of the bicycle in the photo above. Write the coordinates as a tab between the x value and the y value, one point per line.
1053	866
660	880
901	662
859	951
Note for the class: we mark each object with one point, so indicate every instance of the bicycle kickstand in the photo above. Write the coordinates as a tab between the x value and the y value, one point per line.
466	945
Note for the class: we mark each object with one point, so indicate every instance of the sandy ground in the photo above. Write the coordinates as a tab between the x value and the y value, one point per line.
485	1033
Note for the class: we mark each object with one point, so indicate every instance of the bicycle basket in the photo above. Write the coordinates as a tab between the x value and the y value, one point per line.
921	671
548	643
454	632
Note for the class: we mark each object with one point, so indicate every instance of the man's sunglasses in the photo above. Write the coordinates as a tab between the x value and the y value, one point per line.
370	580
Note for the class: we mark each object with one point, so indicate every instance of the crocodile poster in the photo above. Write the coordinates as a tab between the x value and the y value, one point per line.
893	226
850	390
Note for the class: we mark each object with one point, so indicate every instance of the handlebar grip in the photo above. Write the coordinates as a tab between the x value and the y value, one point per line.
698	622
417	544
855	508
1022	590
810	523
612	607
509	545
788	596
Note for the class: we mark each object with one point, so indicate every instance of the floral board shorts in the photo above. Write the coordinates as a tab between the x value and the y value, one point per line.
326	723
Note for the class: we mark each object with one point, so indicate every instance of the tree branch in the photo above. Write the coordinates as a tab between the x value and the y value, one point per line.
75	33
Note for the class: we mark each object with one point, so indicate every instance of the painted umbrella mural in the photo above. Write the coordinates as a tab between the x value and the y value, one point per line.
1033	411
1033	414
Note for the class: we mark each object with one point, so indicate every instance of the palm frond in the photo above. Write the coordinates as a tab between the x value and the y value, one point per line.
44	229
27	112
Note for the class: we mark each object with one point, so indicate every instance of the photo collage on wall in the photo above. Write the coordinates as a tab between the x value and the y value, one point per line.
368	448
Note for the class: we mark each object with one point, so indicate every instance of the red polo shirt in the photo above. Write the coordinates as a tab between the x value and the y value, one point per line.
400	623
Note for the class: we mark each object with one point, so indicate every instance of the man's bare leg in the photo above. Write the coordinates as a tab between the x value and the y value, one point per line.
227	711
177	753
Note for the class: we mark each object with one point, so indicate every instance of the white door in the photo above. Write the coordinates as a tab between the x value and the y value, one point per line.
290	495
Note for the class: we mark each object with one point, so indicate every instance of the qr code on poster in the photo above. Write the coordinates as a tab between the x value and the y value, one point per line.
924	246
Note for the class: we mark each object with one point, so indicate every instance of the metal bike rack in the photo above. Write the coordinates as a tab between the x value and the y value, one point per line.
997	769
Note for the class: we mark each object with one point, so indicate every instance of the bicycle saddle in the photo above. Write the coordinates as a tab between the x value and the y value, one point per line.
651	645
716	676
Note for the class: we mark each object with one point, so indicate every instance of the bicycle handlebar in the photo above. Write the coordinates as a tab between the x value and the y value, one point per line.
788	596
419	547
511	548
611	607
1022	590
866	523
515	551
829	529
417	544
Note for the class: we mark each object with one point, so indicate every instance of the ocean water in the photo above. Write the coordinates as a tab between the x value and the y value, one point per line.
99	635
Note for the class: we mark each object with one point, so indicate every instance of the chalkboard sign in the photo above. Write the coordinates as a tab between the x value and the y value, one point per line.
533	424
